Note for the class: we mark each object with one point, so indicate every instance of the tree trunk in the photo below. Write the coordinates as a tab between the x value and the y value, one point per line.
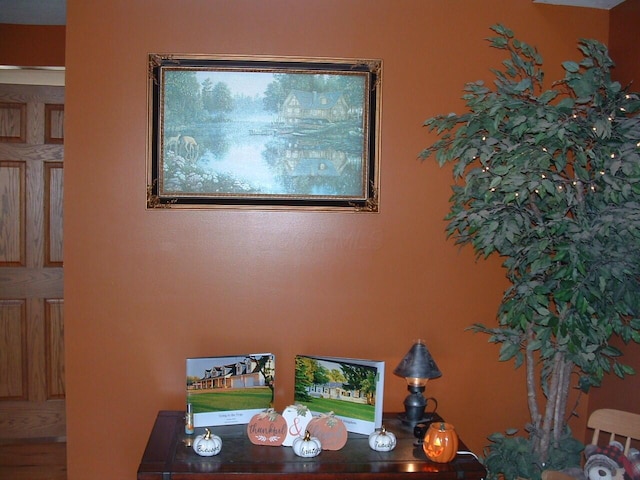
532	391
546	432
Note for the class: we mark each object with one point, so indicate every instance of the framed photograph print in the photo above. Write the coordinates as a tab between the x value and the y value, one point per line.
351	388
263	132
230	390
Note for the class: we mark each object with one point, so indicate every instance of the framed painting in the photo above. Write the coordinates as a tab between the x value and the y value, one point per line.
263	132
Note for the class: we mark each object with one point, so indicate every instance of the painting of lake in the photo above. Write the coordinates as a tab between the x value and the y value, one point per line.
232	133
263	131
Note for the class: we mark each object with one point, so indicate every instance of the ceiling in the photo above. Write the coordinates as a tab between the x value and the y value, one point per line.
33	12
54	12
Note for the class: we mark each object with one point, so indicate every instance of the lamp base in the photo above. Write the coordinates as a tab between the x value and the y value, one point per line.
426	418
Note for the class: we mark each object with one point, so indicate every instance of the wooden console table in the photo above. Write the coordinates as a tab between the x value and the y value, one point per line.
168	457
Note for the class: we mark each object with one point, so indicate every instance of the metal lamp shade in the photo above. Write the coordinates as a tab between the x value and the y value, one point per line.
418	363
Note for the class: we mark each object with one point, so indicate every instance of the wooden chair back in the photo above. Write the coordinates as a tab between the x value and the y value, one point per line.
621	426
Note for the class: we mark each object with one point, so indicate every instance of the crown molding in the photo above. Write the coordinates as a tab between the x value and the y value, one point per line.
601	4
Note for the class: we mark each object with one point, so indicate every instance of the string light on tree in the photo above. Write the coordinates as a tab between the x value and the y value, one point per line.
551	151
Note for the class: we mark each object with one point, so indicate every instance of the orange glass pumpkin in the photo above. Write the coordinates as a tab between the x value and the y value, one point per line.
441	442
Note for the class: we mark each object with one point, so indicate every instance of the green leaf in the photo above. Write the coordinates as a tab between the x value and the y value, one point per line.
523	85
498	42
547	96
508	351
502	30
551	184
566	104
496	437
571	67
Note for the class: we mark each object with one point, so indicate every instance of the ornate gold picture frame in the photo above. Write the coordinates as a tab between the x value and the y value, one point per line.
263	132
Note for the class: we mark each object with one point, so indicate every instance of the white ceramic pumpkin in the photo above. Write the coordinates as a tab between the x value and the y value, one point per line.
207	444
382	441
307	446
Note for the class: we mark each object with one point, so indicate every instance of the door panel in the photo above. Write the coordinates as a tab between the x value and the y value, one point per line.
32	387
13	344
12	228
53	188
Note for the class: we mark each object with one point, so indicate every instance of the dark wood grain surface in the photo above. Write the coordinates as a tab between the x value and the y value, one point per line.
168	455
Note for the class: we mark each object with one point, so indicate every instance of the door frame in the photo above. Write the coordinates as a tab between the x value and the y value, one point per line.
50	76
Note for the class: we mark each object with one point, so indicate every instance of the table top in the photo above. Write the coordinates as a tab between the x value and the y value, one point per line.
168	455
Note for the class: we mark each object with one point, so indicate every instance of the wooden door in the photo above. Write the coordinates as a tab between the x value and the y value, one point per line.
32	389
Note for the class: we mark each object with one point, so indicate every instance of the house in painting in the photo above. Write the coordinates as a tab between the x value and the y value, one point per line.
336	391
241	374
311	160
305	107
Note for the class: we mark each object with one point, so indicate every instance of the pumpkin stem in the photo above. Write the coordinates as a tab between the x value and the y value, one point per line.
270	413
207	434
307	436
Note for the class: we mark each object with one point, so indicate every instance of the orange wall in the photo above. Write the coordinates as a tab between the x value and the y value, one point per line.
146	289
623	39
32	45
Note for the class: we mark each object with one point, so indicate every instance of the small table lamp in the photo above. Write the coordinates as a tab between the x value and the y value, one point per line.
416	367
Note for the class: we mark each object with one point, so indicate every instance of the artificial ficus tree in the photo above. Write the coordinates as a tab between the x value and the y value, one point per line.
549	180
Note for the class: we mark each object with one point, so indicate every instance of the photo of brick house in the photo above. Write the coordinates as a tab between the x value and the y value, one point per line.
227	372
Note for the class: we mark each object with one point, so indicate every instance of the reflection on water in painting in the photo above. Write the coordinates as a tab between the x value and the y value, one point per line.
254	154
